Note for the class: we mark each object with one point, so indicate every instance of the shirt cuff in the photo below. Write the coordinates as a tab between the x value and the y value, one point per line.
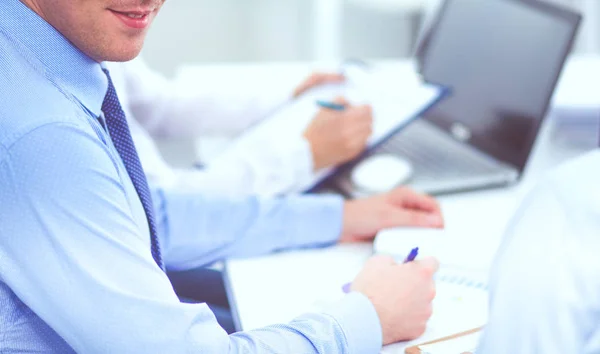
359	321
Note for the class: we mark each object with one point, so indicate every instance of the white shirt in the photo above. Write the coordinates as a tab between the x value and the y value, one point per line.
157	107
545	283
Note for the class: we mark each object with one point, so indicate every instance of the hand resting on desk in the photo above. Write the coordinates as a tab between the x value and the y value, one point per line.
401	207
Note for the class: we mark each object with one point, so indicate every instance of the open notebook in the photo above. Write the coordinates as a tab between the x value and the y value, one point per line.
461	304
397	98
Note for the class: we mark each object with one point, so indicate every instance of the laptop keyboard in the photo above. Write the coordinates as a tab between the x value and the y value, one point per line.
440	163
446	158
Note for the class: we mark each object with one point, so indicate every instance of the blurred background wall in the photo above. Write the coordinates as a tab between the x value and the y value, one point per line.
192	31
208	31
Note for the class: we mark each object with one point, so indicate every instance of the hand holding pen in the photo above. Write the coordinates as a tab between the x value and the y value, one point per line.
400	293
339	132
411	257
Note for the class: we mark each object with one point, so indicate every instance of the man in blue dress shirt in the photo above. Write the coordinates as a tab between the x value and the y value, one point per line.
83	250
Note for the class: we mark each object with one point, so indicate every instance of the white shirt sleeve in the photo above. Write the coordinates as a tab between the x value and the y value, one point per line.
263	170
187	107
156	106
545	283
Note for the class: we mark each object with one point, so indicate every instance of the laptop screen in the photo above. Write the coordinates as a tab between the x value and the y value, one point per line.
501	60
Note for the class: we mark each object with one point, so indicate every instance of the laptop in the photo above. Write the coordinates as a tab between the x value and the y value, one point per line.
501	60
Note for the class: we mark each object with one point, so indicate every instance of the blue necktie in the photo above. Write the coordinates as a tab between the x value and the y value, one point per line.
121	137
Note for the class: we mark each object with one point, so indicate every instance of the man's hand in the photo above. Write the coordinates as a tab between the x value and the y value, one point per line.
363	218
401	294
317	79
336	137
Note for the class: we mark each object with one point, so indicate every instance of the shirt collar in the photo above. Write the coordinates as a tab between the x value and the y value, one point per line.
80	75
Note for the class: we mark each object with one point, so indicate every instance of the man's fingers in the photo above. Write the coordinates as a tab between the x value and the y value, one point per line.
414	218
317	79
423	202
359	114
341	100
324	78
428	264
364	111
410	199
360	139
382	259
334	77
359	128
365	134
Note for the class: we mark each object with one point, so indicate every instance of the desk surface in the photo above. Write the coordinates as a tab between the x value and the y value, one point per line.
279	287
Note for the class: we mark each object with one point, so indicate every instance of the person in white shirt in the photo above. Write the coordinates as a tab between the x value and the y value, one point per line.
157	107
545	281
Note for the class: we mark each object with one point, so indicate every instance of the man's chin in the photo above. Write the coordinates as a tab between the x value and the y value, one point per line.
118	51
123	55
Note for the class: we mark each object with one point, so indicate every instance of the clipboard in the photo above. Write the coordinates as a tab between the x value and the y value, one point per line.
424	97
416	349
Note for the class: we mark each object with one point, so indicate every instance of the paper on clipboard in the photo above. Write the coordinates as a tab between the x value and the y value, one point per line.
396	98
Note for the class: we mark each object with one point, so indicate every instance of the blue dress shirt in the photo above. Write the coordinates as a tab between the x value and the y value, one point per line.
76	271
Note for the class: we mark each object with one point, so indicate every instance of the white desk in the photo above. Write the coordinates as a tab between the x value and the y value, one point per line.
279	287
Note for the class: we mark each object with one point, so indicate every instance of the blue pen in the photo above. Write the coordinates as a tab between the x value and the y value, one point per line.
411	257
331	105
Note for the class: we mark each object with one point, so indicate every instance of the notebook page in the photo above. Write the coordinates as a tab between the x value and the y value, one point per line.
461	304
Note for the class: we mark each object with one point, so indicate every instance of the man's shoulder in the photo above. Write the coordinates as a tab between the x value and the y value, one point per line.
29	99
566	198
